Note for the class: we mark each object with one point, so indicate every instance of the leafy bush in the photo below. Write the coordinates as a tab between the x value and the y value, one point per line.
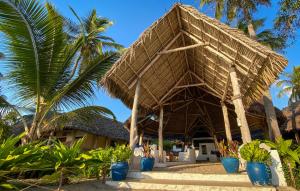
252	152
290	158
98	163
228	150
147	150
121	153
65	160
15	159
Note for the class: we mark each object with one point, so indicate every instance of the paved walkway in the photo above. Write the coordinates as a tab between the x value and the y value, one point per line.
202	168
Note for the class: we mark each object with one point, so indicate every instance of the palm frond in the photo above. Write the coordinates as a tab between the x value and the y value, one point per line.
79	90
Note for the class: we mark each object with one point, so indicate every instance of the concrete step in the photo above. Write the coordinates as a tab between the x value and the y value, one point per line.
186	185
188	176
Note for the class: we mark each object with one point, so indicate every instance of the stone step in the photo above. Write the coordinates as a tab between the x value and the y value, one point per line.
186	185
188	176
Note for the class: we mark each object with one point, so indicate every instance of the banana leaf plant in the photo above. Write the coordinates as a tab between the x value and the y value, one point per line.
65	159
289	156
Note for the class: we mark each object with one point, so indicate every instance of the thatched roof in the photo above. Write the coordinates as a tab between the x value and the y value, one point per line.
99	126
213	48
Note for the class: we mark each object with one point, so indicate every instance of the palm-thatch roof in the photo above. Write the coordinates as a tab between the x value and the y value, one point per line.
97	126
213	48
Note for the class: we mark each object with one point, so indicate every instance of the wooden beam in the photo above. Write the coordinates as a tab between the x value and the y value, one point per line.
271	116
176	84
160	134
134	116
183	48
226	88
155	59
190	85
209	48
239	107
226	122
150	93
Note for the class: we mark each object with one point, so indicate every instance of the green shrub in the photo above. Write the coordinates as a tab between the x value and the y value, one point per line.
251	152
65	159
16	159
290	158
121	153
97	163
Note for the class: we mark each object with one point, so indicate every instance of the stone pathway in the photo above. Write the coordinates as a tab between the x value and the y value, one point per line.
202	168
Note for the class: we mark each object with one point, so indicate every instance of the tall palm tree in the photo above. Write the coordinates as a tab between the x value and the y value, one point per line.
288	18
290	85
266	37
243	9
89	31
41	60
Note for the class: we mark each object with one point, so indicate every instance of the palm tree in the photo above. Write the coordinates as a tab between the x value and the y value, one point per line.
266	37
243	9
288	18
290	85
41	60
90	33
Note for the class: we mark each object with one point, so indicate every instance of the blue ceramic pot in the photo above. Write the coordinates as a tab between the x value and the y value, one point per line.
230	164
259	173
119	171
147	164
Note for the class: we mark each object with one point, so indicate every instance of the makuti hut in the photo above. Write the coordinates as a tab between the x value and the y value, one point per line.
192	72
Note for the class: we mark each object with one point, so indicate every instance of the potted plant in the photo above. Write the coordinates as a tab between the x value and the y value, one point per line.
258	160
147	161
119	167
229	156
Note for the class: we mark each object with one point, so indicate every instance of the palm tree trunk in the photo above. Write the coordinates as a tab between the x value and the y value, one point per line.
294	125
251	30
75	67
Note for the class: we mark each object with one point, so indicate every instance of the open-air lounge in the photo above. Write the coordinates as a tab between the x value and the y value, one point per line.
189	74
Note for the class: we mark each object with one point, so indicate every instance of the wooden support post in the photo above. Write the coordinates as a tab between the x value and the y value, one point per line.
239	107
141	138
134	116
274	131
160	134
226	122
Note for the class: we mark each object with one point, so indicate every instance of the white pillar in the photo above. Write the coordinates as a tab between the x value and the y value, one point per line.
160	134
274	131
134	116
239	107
226	122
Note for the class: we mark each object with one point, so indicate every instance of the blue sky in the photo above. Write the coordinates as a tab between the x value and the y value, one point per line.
132	17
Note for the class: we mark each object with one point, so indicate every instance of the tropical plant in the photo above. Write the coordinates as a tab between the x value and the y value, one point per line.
288	18
290	157
290	85
65	159
252	152
266	37
41	60
228	150
22	158
147	150
98	162
121	153
241	9
90	33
